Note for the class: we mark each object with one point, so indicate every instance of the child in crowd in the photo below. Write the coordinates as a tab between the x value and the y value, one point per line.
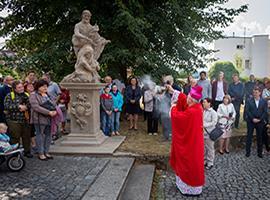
4	140
106	102
117	108
64	100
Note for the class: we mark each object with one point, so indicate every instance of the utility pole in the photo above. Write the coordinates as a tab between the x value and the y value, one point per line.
245	29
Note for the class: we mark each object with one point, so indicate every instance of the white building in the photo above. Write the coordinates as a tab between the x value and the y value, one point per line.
250	55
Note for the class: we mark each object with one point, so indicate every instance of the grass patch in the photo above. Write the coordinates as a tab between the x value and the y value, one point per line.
140	142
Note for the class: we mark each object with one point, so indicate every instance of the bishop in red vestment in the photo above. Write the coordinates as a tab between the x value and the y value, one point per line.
187	150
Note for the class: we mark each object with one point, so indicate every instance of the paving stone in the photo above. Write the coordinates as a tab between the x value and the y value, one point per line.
233	177
53	179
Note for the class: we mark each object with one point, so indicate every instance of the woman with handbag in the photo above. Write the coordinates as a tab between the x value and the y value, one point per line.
42	110
226	116
210	119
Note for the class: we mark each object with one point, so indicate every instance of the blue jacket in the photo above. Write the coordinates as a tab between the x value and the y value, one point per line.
117	100
4	137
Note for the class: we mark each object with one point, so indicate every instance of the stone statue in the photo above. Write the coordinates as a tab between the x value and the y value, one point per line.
88	46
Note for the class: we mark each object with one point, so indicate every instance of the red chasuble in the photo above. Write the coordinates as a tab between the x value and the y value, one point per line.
187	150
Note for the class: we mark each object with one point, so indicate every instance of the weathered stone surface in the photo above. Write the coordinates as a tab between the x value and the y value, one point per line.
88	46
111	180
84	116
139	183
108	147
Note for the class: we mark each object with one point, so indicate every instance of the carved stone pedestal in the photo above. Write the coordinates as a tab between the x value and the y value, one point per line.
84	115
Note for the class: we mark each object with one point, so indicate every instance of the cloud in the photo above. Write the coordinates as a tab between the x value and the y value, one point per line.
254	20
250	28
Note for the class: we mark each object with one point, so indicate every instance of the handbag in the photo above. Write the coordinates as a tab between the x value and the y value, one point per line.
48	105
215	133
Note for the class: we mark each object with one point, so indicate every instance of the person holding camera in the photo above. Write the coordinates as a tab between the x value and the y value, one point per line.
226	116
17	114
165	106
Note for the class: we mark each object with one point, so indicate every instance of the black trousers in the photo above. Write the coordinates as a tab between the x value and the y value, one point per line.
152	123
259	135
237	106
265	138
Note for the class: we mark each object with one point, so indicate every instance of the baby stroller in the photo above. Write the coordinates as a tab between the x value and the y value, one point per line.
14	159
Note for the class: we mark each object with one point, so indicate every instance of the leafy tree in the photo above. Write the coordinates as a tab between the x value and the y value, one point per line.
225	66
8	66
157	37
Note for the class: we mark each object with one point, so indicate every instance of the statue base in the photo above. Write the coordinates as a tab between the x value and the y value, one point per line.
84	114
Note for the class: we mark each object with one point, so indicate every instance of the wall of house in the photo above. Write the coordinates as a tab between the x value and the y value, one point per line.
260	56
254	51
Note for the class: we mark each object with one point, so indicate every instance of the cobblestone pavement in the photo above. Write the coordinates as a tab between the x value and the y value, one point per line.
65	177
233	177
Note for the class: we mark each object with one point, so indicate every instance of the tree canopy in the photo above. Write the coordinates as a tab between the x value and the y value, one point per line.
157	37
223	66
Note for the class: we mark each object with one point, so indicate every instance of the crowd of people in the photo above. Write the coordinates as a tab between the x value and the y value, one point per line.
199	103
34	111
137	97
31	113
210	105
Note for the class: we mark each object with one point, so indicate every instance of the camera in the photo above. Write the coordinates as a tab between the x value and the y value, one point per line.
168	82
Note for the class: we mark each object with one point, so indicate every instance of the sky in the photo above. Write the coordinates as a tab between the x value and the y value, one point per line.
256	20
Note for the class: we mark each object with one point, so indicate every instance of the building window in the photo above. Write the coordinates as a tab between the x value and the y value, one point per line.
239	46
247	64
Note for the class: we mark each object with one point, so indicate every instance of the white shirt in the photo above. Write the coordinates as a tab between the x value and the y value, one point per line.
220	91
257	103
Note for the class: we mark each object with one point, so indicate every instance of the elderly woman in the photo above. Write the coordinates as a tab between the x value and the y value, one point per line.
210	119
187	150
150	103
226	116
42	111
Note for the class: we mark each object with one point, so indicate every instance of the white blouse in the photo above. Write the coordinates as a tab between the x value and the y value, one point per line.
224	111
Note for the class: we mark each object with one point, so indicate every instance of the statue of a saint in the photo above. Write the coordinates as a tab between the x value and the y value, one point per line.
88	46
